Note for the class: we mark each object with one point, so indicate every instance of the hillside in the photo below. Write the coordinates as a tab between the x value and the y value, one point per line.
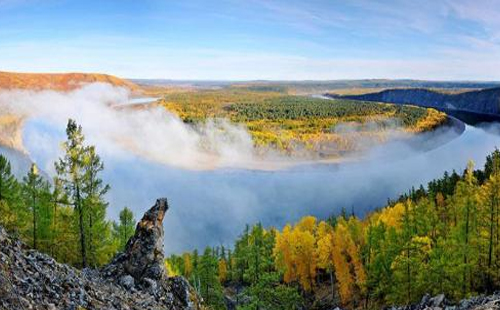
58	82
438	240
485	101
135	279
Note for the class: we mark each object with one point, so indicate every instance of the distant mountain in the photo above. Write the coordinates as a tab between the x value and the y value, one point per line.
58	81
485	101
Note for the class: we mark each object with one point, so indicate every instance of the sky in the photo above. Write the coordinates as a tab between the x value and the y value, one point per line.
254	39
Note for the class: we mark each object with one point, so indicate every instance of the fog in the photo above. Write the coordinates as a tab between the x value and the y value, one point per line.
213	190
154	134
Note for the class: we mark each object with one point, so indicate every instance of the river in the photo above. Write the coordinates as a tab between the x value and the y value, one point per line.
212	207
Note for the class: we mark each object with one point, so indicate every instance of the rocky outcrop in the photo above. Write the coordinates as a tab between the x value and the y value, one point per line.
143	259
136	279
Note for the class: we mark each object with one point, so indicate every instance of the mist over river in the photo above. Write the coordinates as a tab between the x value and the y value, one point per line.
148	154
212	207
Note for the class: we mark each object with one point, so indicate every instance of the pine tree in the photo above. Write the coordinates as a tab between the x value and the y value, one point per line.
78	172
36	193
489	195
93	191
70	170
210	287
125	228
12	215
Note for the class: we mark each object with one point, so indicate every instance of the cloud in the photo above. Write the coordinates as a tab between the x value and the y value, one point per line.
483	12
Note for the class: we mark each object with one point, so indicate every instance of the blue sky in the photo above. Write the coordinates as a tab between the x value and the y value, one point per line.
254	39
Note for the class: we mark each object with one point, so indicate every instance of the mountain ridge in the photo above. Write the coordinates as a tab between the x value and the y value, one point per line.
59	81
484	101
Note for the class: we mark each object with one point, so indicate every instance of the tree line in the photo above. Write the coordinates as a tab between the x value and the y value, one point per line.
443	238
65	217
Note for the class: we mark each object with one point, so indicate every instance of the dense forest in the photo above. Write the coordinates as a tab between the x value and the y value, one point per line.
294	124
66	217
443	238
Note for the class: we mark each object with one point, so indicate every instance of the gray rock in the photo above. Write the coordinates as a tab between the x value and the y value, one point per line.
135	279
127	281
437	301
143	256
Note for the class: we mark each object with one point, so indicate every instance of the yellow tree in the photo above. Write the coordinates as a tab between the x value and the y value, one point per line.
489	196
222	270
188	265
283	254
305	257
295	253
347	262
341	266
324	249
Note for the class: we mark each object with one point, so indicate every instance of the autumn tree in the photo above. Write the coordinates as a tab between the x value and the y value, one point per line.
489	196
324	250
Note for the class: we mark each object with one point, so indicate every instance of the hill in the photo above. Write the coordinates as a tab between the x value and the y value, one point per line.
438	240
58	81
484	101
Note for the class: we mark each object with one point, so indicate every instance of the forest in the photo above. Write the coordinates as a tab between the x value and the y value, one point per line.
66	217
293	124
442	238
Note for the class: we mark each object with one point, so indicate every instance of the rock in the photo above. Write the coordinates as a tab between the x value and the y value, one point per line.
440	302
135	279
143	256
127	282
181	290
425	300
437	301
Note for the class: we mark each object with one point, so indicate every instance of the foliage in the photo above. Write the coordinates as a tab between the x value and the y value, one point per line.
298	124
125	228
438	239
65	218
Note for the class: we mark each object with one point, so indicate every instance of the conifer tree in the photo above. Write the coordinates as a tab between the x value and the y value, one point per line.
36	193
78	172
13	216
125	228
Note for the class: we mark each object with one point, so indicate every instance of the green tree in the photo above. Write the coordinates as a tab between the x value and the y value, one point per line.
70	170
78	172
125	228
36	193
210	287
12	216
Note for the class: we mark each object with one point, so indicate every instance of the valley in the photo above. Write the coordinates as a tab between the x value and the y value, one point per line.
252	155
